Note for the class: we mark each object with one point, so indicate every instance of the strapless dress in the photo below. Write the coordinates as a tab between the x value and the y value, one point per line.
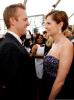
51	65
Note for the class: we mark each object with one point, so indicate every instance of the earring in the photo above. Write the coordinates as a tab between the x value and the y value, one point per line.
59	30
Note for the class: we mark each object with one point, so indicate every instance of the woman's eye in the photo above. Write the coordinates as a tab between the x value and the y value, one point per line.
45	23
48	23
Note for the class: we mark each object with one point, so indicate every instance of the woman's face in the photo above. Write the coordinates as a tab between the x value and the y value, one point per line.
51	26
40	40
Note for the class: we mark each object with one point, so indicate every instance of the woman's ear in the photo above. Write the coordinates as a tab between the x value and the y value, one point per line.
61	24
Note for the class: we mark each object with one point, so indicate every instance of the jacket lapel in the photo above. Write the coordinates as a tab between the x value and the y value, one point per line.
17	43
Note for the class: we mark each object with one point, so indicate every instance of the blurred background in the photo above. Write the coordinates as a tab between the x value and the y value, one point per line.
36	10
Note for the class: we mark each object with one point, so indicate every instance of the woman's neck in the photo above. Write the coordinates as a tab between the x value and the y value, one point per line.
58	37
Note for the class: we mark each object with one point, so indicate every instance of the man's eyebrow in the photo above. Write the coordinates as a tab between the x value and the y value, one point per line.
26	18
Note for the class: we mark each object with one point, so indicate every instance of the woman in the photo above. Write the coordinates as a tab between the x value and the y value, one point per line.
38	53
58	60
48	44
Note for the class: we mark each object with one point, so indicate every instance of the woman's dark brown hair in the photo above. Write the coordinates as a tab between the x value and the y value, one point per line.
59	16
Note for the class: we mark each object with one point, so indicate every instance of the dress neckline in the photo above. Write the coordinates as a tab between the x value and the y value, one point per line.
52	56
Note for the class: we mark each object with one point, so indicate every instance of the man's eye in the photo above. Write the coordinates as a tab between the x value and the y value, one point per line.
24	19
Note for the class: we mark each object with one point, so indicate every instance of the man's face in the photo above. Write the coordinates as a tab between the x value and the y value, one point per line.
22	22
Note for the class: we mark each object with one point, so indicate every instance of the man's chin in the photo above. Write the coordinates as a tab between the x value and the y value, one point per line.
24	33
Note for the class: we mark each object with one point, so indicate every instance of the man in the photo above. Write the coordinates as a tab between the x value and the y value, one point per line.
17	74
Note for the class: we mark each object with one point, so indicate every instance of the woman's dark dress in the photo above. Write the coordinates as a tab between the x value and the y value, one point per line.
51	65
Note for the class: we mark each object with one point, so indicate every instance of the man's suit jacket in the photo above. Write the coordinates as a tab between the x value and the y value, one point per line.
17	71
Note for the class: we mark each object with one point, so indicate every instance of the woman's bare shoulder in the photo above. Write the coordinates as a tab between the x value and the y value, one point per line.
66	46
68	43
35	46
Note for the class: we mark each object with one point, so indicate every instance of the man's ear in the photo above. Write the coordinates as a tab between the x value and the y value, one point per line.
12	21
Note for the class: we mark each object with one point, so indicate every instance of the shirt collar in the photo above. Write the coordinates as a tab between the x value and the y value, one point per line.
16	36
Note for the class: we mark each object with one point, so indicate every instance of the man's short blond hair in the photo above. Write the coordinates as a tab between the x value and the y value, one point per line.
10	11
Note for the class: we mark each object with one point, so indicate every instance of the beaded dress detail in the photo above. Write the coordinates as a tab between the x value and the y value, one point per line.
51	65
